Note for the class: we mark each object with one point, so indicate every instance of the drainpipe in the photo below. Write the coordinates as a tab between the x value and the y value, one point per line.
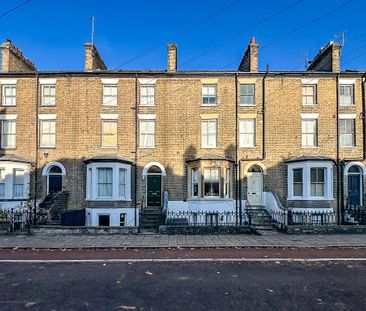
36	150
339	182
136	147
263	141
236	149
364	114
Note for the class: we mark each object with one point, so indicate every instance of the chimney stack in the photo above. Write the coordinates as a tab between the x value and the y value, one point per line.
172	57
13	60
249	62
327	59
93	61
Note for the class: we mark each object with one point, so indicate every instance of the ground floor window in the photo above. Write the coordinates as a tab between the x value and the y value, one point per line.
211	182
310	180
103	220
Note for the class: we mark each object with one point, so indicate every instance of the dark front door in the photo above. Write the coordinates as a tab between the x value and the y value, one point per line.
354	193
153	190
54	183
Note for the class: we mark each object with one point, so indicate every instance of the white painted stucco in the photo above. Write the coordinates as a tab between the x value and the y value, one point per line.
91	215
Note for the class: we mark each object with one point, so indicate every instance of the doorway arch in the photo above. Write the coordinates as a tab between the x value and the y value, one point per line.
354	182
153	172
54	172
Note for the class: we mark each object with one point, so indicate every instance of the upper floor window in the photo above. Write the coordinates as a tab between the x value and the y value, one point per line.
48	95
309	94
247	94
208	133
147	133
346	132
212	182
110	94
9	92
346	95
147	96
309	133
247	132
209	94
8	134
109	133
47	133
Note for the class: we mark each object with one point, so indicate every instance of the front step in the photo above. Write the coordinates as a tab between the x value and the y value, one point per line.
260	218
151	217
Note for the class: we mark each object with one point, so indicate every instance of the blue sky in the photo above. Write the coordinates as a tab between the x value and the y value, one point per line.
52	33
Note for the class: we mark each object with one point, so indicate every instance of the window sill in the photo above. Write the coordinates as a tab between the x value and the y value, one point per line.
310	147
310	199
148	106
108	200
109	147
48	106
209	199
8	106
8	148
347	147
345	106
248	147
107	105
310	106
47	147
247	105
147	147
208	105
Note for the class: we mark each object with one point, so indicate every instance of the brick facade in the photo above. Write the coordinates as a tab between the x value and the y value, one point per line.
179	111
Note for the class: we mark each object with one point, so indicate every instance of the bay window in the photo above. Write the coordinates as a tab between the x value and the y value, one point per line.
212	182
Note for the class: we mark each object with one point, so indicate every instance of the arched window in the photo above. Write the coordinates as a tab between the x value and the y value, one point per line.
354	169
154	170
255	169
55	170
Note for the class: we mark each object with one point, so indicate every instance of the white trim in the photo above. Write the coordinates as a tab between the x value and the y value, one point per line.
147	81
147	116
347	81
9	167
47	116
8	116
109	81
306	166
92	181
8	81
347	116
48	166
250	164
104	116
47	81
148	165
310	81
309	115
359	164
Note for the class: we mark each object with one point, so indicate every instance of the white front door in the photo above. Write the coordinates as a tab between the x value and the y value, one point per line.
255	188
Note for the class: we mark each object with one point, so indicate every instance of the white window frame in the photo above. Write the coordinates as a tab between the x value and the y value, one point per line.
8	168
206	134
246	95
253	120
12	85
92	181
304	96
198	183
352	86
22	184
104	135
9	134
206	94
351	117
306	166
315	133
203	181
49	133
2	182
110	99
147	99
147	118
43	96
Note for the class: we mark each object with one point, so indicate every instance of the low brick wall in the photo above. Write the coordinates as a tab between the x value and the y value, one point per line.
203	230
346	229
84	230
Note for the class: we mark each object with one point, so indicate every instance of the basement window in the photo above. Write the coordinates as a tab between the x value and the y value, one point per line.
103	220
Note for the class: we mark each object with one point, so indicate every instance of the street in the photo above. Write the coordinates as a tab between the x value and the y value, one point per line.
197	285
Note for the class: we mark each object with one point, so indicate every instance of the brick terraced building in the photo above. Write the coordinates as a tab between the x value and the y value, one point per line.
116	141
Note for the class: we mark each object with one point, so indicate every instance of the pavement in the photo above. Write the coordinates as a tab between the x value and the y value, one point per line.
266	239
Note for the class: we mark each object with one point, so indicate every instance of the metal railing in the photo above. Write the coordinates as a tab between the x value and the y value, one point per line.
210	219
15	219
